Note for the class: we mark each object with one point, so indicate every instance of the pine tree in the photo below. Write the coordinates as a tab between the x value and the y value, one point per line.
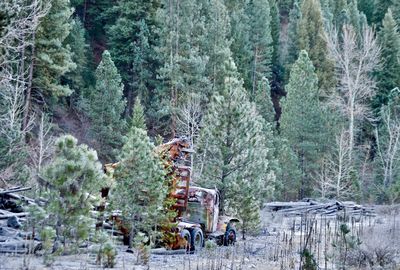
252	43
388	75
380	9
132	41
356	18
233	148
106	108
53	57
288	174
74	176
139	191
293	38
367	7
327	13
183	70
263	101
387	137
339	11
217	42
311	37
285	5
396	11
277	69
301	121
260	43
81	77
138	119
248	208
240	36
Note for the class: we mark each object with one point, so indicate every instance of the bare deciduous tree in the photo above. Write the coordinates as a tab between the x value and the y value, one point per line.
15	64
355	60
334	179
42	149
188	118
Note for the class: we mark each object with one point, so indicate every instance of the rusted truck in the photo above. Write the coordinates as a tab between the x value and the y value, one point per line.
197	208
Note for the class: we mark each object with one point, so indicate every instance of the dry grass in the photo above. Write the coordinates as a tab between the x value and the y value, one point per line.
369	243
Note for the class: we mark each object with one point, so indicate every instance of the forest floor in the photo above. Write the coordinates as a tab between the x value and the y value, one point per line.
371	243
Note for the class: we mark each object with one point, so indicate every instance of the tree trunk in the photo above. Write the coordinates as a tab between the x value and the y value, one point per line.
28	94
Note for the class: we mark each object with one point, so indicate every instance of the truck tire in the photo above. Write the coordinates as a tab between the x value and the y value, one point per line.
230	237
197	239
185	234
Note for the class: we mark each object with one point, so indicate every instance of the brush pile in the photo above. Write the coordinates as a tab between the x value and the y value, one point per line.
12	217
329	208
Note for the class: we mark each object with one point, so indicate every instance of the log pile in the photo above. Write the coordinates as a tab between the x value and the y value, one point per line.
329	208
12	216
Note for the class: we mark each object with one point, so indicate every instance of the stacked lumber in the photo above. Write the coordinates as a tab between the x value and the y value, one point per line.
12	216
329	208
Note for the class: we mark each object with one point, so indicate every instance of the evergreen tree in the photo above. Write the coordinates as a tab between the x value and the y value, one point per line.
356	18
75	176
106	107
396	11
389	74
327	13
277	69
339	11
138	119
81	77
217	42
380	9
252	43
260	43
240	35
132	41
183	68
263	101
387	136
233	146
311	37
367	7
53	57
285	5
288	174
247	207
293	38
139	191
301	121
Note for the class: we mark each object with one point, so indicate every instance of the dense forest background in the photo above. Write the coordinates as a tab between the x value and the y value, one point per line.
282	99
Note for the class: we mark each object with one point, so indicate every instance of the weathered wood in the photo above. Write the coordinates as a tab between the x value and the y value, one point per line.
330	208
14	190
4	214
19	246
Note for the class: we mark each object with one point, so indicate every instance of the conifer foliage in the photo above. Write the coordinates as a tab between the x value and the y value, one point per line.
52	55
74	179
389	75
139	191
312	39
233	147
301	120
107	105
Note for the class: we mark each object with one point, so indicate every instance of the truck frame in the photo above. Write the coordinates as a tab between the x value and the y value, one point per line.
197	208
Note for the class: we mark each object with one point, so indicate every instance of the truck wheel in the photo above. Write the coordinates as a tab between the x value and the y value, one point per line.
230	237
185	234
197	239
